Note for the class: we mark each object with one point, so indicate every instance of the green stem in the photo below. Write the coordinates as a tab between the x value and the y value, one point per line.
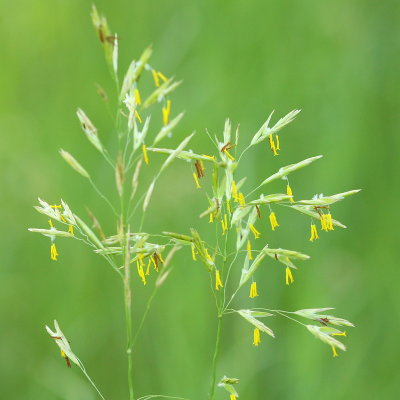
98	191
127	294
128	317
128	320
215	358
148	305
91	382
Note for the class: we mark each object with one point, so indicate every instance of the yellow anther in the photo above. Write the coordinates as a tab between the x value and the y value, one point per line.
196	180
209	258
152	259
137	97
145	155
138	116
224	224
339	334
277	142
272	145
53	252
155	77
314	233
249	255
193	252
218	281
256	337
324	226
289	276
226	152
235	192
212	158
141	272
289	192
254	231
329	222
148	267
166	112
162	76
273	221
253	290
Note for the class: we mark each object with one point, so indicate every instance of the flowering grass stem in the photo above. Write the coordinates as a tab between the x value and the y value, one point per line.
234	216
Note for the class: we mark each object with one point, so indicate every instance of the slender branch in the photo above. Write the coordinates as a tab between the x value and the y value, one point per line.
227	277
148	305
98	191
243	152
230	300
91	382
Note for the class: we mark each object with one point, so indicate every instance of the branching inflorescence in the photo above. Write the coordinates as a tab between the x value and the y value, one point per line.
233	213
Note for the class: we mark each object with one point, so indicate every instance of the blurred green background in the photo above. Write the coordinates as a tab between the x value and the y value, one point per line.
337	61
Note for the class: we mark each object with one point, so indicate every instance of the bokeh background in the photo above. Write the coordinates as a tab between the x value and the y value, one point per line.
337	61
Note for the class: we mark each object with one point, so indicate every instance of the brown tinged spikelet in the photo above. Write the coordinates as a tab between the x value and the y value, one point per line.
112	39
166	267
119	175
135	178
225	149
156	259
96	224
199	168
101	92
